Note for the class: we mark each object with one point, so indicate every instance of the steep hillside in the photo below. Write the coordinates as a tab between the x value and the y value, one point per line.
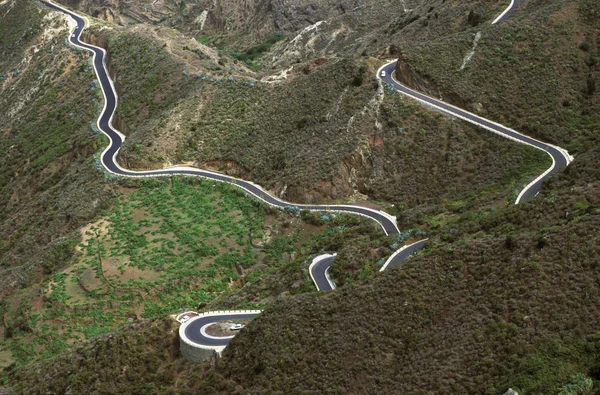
200	105
48	181
512	303
130	361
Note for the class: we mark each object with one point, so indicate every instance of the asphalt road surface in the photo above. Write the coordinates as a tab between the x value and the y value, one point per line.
193	333
319	272
403	253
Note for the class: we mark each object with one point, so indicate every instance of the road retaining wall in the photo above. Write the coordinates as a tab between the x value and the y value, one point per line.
194	353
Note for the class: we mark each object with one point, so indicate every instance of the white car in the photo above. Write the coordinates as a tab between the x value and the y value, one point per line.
185	318
237	327
383	73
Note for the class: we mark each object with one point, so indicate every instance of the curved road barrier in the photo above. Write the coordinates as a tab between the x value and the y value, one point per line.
403	253
560	157
507	12
196	344
319	272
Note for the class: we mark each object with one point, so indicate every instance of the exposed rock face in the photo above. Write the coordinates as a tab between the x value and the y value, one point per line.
292	15
355	26
406	75
121	12
409	77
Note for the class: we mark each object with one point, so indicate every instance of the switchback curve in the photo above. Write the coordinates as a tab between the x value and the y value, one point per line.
560	157
319	272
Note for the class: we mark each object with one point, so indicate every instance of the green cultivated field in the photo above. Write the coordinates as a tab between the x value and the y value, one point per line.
164	247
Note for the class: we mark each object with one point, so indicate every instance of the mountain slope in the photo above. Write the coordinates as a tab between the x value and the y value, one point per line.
48	181
502	297
511	304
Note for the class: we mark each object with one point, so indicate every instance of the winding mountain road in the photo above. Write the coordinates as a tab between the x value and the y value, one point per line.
193	331
560	157
109	155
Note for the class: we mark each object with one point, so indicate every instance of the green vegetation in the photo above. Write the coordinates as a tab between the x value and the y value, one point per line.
145	97
129	361
436	159
250	56
18	29
165	247
406	322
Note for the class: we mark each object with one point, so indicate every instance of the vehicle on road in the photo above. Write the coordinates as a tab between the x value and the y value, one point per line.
185	318
237	327
383	73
